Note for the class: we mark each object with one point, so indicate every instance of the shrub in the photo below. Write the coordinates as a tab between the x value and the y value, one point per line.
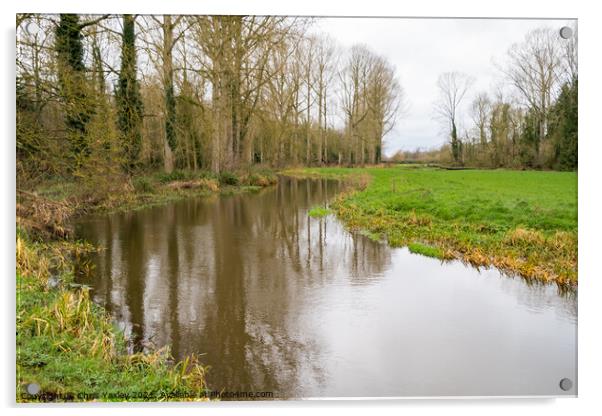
262	179
228	178
176	175
143	184
206	174
209	184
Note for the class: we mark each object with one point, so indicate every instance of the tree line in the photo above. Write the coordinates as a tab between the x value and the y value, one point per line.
530	121
123	94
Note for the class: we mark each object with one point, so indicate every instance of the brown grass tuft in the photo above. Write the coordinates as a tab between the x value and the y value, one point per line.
420	220
522	236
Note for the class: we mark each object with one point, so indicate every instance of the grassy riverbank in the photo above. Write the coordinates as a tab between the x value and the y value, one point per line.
66	344
523	222
122	193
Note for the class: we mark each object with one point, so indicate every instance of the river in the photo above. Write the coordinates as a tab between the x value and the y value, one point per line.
276	301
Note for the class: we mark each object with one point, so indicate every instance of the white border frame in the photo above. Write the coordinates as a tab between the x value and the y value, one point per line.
590	150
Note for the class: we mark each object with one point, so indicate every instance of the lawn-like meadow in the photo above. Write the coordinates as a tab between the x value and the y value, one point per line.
523	222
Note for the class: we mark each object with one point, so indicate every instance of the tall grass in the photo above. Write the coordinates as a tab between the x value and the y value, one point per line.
69	347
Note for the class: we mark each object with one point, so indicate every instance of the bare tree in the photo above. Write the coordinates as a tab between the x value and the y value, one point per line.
234	55
533	69
161	35
481	107
452	86
308	73
326	64
385	100
371	100
281	99
354	79
569	55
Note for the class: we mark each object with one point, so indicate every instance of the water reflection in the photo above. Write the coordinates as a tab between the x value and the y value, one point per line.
225	277
279	301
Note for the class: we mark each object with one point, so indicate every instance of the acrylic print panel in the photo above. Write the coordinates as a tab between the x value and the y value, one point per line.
279	208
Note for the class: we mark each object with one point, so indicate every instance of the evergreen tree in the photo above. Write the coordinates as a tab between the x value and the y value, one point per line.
71	73
528	141
563	128
128	98
456	145
168	89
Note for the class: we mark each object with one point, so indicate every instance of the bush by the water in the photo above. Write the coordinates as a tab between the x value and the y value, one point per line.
143	184
228	178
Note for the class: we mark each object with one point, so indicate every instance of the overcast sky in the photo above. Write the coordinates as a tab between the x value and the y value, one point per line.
421	49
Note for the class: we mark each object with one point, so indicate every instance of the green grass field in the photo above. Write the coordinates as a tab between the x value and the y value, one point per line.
520	221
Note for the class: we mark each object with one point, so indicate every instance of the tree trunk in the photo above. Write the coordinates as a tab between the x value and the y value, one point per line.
167	158
169	97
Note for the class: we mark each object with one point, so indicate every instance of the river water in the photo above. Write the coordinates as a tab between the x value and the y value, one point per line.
277	301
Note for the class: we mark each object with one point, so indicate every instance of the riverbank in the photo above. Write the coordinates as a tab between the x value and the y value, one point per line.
67	345
70	349
522	222
48	206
